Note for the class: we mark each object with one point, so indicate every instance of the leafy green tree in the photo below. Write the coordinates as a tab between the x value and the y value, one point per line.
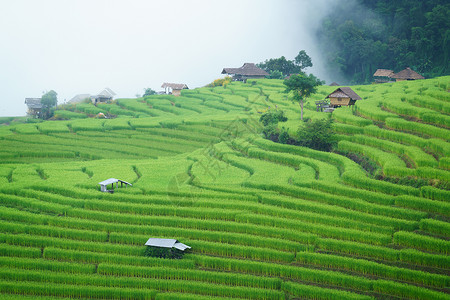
286	67
48	101
317	134
302	86
148	92
302	60
275	75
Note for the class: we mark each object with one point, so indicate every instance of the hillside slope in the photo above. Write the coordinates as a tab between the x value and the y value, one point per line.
264	220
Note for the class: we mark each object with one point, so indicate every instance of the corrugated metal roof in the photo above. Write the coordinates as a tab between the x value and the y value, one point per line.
112	180
166	243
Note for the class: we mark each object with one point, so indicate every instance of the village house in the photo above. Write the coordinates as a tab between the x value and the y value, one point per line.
407	74
343	96
248	70
383	76
104	96
34	107
174	88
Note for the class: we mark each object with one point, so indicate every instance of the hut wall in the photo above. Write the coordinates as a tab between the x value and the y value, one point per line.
176	92
339	101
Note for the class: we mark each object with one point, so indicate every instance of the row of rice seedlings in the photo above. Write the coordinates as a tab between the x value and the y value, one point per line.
331	210
186	296
409	256
345	115
406	291
428	205
417	128
275	211
314	292
45	230
47	265
34	289
339	189
26	129
331	278
421	172
419	157
60	114
89	257
430	102
205	235
134	105
318	229
382	158
53	127
378	185
119	111
326	172
438	146
44	241
421	242
141	284
346	202
231	279
431	192
372	268
186	135
14	251
344	164
435	227
371	110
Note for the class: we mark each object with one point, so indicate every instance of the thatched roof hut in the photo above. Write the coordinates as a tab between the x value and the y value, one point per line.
407	74
343	96
334	84
248	70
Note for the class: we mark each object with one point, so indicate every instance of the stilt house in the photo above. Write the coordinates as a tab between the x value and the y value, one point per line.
34	107
343	96
174	88
407	74
248	70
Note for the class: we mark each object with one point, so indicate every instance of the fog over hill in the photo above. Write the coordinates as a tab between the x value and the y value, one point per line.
76	47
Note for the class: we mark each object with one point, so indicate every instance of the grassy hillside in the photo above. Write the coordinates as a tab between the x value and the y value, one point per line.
264	220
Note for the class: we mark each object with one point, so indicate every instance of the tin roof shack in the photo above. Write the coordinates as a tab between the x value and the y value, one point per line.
248	70
407	74
165	248
104	96
34	107
383	76
343	96
111	181
174	88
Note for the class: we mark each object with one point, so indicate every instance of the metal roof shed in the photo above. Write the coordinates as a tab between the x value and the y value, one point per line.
104	184
166	243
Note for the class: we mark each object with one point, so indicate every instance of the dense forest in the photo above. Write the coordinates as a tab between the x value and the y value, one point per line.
361	36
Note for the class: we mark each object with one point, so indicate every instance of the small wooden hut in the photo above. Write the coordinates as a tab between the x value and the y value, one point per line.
34	107
343	96
383	75
111	181
407	74
248	70
165	248
174	88
104	96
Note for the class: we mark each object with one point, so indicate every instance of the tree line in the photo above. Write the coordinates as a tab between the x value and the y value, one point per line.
360	36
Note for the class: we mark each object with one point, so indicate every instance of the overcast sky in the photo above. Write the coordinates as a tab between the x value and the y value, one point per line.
83	46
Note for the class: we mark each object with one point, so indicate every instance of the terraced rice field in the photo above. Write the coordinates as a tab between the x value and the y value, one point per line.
264	220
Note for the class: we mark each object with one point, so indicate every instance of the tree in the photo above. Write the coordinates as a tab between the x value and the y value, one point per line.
302	87
286	67
48	101
148	92
302	60
317	134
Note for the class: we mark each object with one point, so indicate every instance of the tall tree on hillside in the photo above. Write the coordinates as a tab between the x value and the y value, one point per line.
287	67
302	86
48	101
